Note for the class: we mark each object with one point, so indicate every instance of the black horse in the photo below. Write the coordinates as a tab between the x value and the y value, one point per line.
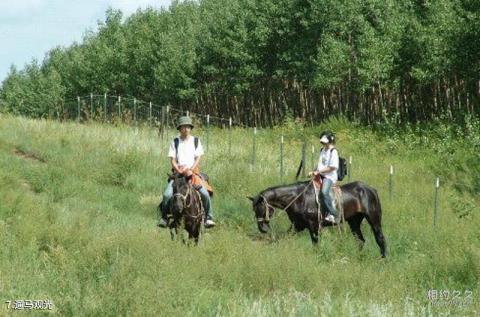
185	204
358	201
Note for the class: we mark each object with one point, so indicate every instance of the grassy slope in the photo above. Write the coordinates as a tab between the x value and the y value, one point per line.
78	214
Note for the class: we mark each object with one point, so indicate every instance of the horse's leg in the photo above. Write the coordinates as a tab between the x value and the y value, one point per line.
375	224
314	236
196	235
290	230
197	231
173	226
354	222
313	229
173	230
183	239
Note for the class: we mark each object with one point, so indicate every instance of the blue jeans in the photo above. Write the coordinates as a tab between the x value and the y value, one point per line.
327	197
168	193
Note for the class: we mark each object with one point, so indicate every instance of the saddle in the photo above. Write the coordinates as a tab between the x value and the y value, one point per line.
336	197
201	179
198	180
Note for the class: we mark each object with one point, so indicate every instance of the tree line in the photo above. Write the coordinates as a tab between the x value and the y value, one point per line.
260	61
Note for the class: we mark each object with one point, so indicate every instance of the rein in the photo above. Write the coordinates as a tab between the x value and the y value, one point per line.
267	205
185	197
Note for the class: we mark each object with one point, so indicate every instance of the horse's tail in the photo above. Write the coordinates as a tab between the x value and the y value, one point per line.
371	202
378	205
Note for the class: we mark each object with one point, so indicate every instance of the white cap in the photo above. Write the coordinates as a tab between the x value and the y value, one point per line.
324	139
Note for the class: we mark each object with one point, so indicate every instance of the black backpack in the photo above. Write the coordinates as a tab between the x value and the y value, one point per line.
342	166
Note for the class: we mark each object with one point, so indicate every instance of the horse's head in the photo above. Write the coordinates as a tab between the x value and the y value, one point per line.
263	212
181	191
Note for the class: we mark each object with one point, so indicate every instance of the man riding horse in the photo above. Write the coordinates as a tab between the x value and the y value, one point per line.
185	153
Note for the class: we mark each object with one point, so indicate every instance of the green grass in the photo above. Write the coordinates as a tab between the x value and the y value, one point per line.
78	226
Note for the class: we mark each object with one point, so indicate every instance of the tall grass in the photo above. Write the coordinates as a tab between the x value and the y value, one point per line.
78	226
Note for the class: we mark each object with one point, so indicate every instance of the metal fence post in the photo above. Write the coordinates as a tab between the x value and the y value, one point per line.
150	113
313	157
78	108
349	171
281	159
304	147
208	132
390	185
167	115
230	136
119	108
91	105
435	212
254	146
162	124
135	110
105	106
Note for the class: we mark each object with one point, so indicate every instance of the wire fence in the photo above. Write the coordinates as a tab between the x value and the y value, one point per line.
129	110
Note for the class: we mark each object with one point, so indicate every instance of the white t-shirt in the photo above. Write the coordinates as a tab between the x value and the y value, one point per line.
329	158
186	151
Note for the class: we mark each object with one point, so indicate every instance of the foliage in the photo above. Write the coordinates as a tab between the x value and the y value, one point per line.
364	59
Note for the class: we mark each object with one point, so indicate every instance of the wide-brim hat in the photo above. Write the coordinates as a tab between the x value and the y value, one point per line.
184	121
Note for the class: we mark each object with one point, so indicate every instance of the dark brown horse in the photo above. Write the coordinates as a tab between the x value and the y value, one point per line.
358	201
186	205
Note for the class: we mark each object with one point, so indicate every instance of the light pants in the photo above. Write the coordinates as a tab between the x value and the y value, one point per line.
327	197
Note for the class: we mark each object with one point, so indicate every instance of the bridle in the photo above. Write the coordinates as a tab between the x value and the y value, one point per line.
184	201
185	197
266	216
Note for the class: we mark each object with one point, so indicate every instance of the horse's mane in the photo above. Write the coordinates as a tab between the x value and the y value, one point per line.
284	186
179	179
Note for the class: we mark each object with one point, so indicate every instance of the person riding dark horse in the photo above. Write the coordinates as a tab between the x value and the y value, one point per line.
185	153
327	170
185	204
358	201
